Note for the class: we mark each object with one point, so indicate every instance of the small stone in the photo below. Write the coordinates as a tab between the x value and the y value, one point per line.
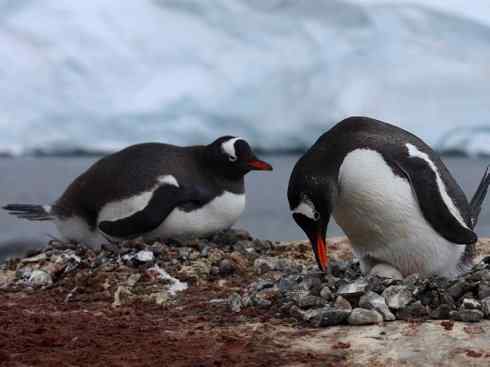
235	302
484	290
313	285
397	296
373	301
145	256
226	267
309	301
470	304
215	255
342	304
263	284
214	270
23	273
467	315
486	307
133	279
286	284
413	311
457	289
40	278
329	316
184	253
361	316
205	251
411	280
7	277
326	294
443	312
377	284
352	290
159	298
122	296
35	259
263	265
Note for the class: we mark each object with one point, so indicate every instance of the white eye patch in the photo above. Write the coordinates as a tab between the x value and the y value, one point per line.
307	209
229	148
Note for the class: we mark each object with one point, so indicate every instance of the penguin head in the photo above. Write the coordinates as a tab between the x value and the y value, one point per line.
311	200
235	157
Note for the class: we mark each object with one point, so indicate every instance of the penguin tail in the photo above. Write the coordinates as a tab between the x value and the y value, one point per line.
479	197
30	212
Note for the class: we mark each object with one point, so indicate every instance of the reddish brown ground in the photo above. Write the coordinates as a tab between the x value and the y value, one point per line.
39	329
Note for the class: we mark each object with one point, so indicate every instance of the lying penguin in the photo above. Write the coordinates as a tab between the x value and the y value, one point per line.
152	191
391	194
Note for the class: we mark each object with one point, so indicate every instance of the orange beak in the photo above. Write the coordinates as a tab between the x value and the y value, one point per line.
258	165
321	252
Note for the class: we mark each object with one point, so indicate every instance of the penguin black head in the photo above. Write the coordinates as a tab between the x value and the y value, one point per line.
235	157
311	200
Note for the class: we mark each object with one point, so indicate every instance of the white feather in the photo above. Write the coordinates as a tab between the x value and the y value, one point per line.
76	229
221	213
305	208
415	153
382	218
229	147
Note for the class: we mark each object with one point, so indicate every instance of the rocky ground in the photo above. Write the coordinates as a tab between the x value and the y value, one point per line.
232	300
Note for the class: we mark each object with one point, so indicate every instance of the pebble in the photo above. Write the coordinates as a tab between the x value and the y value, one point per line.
40	278
470	304
329	316
467	315
342	304
226	267
443	312
308	301
235	302
352	290
373	301
361	316
145	256
486	307
397	296
457	289
484	290
413	311
326	294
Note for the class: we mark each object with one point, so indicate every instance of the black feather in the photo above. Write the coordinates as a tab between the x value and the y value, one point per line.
479	197
29	212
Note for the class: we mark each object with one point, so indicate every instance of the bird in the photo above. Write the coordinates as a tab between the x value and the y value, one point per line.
392	195
153	191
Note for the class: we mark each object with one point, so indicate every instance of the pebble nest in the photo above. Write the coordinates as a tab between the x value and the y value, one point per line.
271	277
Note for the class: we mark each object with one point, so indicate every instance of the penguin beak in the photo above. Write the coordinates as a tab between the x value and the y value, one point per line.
316	232
258	165
321	251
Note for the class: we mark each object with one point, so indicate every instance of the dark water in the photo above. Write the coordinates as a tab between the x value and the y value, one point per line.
41	180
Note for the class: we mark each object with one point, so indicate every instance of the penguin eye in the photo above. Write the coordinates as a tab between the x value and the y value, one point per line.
316	216
232	158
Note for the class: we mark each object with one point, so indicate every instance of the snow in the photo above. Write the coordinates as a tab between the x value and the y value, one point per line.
103	74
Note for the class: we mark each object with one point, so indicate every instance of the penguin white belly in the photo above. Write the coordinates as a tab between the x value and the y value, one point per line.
76	229
380	214
219	214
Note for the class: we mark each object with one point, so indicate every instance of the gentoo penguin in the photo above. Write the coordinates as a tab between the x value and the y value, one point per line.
153	190
391	194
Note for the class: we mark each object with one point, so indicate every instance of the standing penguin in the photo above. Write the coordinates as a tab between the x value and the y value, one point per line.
391	194
153	190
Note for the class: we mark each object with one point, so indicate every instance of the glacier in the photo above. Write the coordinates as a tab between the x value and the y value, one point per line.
97	75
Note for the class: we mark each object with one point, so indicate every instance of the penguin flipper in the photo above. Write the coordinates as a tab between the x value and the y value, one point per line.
434	205
164	200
